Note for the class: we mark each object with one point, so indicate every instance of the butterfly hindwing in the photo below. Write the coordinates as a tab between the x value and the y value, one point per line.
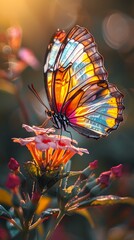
100	113
77	86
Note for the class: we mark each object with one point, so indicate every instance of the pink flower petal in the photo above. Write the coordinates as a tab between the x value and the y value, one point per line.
38	130
93	165
117	171
13	181
27	56
13	164
24	141
14	36
44	142
104	178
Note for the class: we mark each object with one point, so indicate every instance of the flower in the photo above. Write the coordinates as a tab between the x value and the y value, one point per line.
13	181
93	165
18	58
116	171
104	178
38	130
14	37
13	164
49	151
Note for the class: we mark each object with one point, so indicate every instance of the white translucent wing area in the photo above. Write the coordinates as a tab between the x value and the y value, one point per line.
52	63
81	57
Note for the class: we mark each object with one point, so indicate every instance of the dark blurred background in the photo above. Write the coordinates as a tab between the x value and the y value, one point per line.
112	25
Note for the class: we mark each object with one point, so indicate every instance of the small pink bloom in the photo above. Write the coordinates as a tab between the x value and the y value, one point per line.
24	141
116	171
13	181
38	130
62	140
17	68
44	142
28	57
13	164
104	179
14	36
93	165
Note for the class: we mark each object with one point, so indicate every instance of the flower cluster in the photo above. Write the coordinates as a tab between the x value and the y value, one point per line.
49	154
50	164
87	187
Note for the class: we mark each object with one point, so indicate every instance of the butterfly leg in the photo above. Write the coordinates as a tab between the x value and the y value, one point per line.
70	134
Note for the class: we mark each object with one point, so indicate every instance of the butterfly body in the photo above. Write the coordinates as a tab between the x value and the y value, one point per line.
77	88
60	121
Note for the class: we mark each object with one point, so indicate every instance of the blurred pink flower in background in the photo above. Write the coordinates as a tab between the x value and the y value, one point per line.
16	58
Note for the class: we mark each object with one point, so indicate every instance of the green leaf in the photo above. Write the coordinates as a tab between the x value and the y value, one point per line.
4	213
112	199
106	200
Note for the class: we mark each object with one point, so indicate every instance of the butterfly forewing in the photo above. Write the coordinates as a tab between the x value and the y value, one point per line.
77	86
51	65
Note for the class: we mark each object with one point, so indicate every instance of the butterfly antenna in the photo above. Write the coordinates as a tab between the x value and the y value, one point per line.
33	90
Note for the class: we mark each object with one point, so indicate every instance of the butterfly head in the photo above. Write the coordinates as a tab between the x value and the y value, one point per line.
49	113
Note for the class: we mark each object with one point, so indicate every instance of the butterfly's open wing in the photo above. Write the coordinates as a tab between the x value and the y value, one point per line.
97	112
72	61
77	86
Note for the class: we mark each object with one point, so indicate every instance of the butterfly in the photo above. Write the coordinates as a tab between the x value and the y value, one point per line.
77	87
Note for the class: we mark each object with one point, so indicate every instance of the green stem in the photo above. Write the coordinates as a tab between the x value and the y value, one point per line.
55	225
34	225
26	235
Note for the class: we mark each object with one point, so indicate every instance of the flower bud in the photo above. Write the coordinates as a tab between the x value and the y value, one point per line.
13	164
87	171
116	171
93	165
13	181
104	179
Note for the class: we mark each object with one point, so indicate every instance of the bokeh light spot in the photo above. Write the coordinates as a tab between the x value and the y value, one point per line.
117	30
